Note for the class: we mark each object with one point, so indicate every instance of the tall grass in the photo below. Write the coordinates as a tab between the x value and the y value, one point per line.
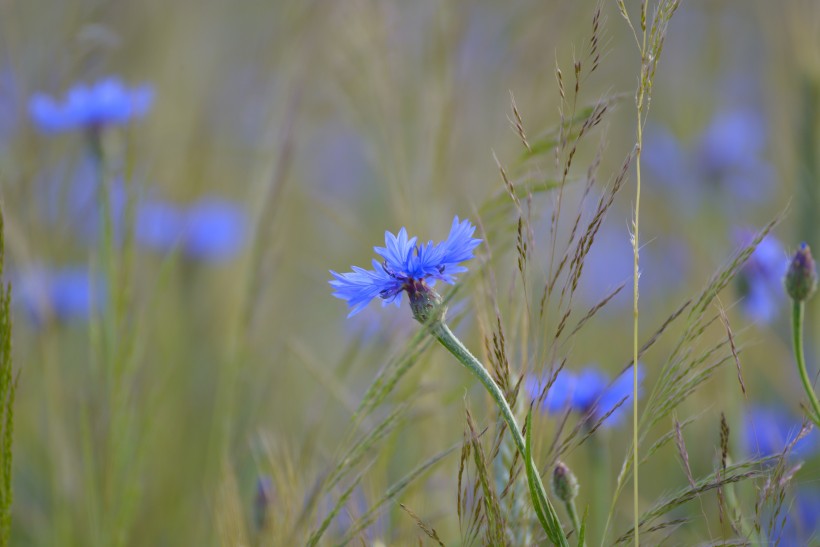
231	403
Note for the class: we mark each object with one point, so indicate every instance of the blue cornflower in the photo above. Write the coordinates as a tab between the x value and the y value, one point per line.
406	266
64	294
726	157
107	102
210	229
760	281
801	524
767	430
589	393
215	229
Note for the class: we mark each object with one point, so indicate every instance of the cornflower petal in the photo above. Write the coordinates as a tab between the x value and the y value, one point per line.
397	251
620	390
361	286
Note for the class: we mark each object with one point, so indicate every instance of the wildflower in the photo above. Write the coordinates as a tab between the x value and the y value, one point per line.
408	267
768	430
801	278
214	229
801	524
759	282
64	294
107	102
729	149
609	263
725	157
589	393
209	230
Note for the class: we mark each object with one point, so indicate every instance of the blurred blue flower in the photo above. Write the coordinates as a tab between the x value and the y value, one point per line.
589	393
760	281
767	430
405	263
214	229
210	229
665	263
107	102
731	142
64	294
802	521
725	157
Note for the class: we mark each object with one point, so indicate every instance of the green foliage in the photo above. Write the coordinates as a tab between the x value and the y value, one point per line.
8	388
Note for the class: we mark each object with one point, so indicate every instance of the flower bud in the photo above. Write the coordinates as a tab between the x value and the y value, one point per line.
426	303
801	278
564	483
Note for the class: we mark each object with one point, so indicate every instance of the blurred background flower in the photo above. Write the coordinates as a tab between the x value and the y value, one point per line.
62	294
767	430
589	393
106	102
210	229
760	281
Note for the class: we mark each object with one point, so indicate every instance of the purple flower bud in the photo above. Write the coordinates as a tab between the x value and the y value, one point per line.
801	278
564	483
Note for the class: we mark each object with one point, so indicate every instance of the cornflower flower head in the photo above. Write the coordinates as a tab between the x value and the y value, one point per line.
209	230
407	266
590	393
725	158
63	294
760	281
107	102
801	524
767	431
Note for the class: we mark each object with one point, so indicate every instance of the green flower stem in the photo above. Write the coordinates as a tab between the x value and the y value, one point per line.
573	516
449	340
797	332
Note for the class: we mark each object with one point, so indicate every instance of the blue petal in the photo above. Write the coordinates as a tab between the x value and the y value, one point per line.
620	390
361	286
767	430
591	384
559	396
397	251
441	261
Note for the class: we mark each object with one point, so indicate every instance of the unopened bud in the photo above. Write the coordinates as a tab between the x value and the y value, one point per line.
426	303
564	483
801	278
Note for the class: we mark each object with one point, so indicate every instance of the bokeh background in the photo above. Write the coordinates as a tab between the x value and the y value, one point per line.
282	139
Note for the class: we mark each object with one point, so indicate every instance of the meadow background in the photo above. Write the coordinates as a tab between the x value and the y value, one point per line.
199	390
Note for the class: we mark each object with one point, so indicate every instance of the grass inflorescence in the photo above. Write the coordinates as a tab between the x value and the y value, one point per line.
170	232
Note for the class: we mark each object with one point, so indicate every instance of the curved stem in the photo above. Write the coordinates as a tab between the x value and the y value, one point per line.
573	516
449	340
797	332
